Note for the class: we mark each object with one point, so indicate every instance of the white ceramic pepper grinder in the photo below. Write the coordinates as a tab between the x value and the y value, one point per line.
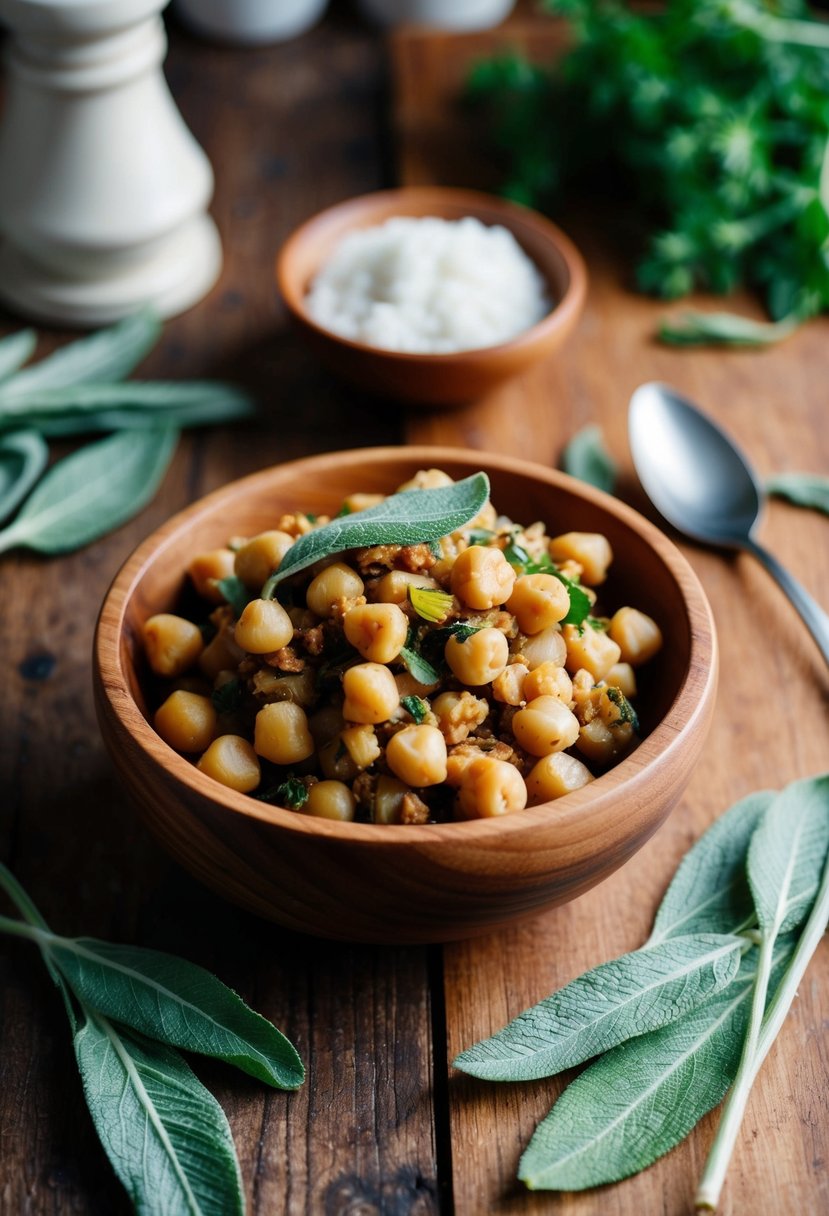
103	190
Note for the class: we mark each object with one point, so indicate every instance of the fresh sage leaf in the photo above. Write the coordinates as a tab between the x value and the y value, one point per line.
145	396
23	457
620	1000
802	489
415	707
236	593
419	668
709	892
62	426
411	517
92	492
580	605
108	354
587	458
724	329
227	697
175	1002
15	350
787	855
166	1136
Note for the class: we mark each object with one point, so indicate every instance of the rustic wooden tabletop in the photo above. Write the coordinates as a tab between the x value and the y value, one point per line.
384	1125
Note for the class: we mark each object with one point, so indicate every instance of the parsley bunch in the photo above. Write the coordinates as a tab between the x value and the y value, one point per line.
713	116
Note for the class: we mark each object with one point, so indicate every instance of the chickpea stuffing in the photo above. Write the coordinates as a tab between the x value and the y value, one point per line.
458	676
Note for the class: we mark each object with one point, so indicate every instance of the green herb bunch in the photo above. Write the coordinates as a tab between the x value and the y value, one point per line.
672	1026
713	117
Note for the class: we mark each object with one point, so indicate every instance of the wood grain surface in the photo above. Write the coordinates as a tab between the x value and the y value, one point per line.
384	1126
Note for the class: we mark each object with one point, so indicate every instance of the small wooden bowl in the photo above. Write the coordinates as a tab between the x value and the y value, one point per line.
449	379
369	882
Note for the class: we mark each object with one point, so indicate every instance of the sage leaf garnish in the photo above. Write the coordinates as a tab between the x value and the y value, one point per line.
145	396
291	794
221	406
801	489
419	668
411	517
431	604
15	350
235	593
92	492
587	458
630	996
227	697
23	457
165	1135
415	707
580	605
724	329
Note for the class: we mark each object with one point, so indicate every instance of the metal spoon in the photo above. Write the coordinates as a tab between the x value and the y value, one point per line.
703	485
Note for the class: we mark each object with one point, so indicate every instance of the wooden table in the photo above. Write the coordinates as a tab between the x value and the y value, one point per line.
384	1126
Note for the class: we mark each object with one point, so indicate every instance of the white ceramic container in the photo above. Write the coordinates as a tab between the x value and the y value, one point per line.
439	14
251	21
103	190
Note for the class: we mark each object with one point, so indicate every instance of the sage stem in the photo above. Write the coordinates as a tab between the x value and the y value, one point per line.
20	899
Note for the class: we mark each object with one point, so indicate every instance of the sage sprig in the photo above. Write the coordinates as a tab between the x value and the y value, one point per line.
587	458
672	1025
15	350
801	489
23	457
409	518
165	1134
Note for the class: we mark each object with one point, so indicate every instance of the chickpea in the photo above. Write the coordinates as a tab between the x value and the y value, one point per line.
206	569
263	627
361	502
556	775
458	713
426	479
482	577
538	601
221	654
479	659
186	721
361	743
281	733
171	644
393	588
331	800
231	760
638	636
388	800
260	556
371	694
623	677
336	582
545	647
417	755
591	550
546	725
548	680
301	688
378	631
508	687
604	744
591	649
489	788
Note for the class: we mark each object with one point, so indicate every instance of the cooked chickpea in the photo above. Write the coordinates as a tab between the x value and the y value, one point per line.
426	479
186	721
336	582
489	788
590	550
624	678
604	744
206	569
548	680
272	685
259	557
417	755
556	775
371	694
281	733
545	647
331	800
538	601
508	687
482	577
221	654
231	760
393	588
591	649
458	713
263	627
478	659
171	643
638	636
546	725
378	631
361	744
361	502
387	805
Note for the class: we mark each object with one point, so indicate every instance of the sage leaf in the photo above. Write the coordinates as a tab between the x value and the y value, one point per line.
640	1099
235	593
23	457
630	996
587	458
147	396
802	489
92	492
15	350
787	855
166	1136
724	329
412	517
179	1003
217	408
709	892
108	354
419	668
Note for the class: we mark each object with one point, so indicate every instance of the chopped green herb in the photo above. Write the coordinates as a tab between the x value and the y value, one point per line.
517	555
236	593
344	510
431	604
600	623
416	707
291	794
480	536
626	711
227	697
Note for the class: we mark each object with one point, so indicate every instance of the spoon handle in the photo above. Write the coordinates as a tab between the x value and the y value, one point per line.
813	616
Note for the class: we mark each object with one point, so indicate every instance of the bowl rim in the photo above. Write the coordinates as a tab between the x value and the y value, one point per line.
690	704
566	310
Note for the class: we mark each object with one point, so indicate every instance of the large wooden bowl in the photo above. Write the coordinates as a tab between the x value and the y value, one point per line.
449	379
425	883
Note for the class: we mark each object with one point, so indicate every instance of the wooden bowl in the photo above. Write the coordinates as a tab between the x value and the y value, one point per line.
427	883
449	379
